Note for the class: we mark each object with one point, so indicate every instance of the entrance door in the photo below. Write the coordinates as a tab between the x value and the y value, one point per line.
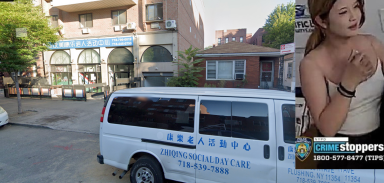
266	74
235	140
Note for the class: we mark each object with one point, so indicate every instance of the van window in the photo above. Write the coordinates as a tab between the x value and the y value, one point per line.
234	119
162	113
289	123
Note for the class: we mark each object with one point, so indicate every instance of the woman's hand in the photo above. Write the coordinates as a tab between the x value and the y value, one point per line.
358	70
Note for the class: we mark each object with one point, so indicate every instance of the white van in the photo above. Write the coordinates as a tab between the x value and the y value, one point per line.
207	135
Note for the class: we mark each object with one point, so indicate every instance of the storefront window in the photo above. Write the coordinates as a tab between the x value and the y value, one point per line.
61	70
120	67
90	69
89	56
156	54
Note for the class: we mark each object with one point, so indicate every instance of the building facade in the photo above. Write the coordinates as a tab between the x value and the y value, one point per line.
233	35
257	38
240	65
118	42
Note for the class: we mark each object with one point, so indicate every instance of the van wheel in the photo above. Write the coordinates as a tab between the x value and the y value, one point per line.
146	170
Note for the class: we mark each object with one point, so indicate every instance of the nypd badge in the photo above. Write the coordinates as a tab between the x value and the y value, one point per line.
303	147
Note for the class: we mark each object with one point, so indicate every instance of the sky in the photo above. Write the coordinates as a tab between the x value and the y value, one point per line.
236	14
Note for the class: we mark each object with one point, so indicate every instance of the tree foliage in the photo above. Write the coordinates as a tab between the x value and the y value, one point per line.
280	26
18	53
189	69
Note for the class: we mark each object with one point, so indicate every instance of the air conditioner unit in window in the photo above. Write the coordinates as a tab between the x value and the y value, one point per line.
239	76
170	24
86	31
117	28
131	26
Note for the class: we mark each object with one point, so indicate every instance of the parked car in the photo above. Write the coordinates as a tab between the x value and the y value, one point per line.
3	117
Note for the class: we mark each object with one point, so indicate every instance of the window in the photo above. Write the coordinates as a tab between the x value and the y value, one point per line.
219	41
289	71
120	56
119	17
226	40
289	123
234	119
85	20
55	21
61	57
156	54
217	70
155	12
89	56
262	39
233	39
156	81
126	111
241	39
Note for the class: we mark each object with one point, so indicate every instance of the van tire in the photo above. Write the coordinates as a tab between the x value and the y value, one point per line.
149	163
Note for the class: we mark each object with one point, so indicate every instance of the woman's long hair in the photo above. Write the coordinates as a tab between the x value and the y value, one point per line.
322	8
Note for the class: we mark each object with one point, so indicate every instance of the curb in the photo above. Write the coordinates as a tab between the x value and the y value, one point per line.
29	125
46	127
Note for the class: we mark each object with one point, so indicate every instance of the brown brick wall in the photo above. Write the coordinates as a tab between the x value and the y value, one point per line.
237	33
178	10
102	22
187	27
252	72
257	37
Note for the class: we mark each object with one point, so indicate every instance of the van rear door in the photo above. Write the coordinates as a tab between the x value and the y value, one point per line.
286	172
236	140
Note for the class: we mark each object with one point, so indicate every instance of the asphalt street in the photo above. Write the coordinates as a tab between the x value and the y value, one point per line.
78	116
53	141
30	154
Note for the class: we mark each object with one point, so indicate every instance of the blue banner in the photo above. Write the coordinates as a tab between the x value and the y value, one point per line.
92	43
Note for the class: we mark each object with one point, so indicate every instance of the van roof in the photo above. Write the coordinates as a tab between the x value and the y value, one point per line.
227	92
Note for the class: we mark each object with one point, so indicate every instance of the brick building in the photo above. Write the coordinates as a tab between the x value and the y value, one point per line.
257	38
113	42
235	61
233	35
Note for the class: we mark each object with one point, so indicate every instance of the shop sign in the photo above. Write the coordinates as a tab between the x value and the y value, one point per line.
304	26
93	43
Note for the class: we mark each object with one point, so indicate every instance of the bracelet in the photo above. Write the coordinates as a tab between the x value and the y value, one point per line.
347	91
344	94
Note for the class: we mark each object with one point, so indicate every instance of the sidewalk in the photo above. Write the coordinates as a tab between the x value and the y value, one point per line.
78	116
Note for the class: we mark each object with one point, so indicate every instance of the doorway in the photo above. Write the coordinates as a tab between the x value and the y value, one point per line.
266	74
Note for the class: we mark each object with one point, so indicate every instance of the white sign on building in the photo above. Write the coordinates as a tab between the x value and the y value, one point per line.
287	48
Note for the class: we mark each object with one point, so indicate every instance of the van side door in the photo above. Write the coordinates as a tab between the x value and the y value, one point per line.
286	172
235	140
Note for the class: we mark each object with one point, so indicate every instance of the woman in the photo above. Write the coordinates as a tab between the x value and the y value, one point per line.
342	75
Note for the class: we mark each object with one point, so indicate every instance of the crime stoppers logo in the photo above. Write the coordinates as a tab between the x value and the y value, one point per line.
303	147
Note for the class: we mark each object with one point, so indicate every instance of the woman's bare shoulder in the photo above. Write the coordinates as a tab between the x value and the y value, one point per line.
311	60
366	38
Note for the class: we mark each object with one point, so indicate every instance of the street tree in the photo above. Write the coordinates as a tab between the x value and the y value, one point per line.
18	51
189	69
280	26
